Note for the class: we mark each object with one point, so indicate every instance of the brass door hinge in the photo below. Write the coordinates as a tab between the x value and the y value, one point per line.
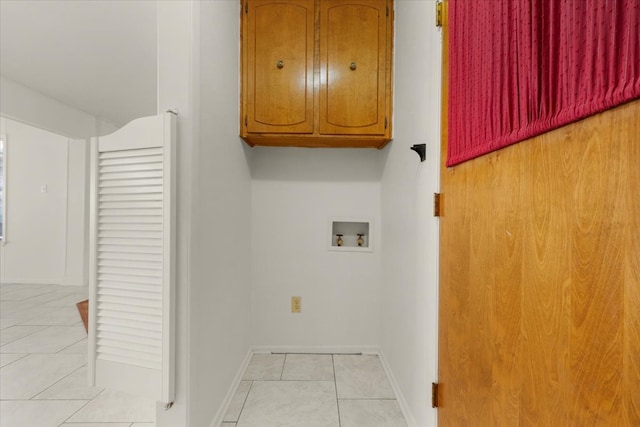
385	123
246	8
439	14
387	10
245	120
437	204
434	395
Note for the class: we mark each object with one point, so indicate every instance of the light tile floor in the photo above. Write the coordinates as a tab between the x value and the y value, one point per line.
305	390
43	357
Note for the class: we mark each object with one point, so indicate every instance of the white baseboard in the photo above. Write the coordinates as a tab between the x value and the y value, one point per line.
217	420
404	408
22	281
317	349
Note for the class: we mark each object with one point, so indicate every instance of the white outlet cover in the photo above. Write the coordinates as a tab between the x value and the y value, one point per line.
43	188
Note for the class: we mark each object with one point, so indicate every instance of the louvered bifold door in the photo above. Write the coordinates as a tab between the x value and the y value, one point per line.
131	343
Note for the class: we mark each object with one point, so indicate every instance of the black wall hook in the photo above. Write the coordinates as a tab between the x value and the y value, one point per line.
421	149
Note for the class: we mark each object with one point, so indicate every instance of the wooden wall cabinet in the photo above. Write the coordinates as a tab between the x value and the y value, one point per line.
316	73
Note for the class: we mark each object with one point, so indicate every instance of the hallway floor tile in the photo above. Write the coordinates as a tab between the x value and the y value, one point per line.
312	390
43	358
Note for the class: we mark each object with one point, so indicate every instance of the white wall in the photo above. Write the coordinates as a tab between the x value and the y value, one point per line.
176	87
198	74
76	270
410	251
45	241
28	106
295	193
221	289
25	108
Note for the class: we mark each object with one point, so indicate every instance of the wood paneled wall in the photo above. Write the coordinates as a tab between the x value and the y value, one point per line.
540	279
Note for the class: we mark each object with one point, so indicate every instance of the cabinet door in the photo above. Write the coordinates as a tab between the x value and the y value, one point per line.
353	44
279	66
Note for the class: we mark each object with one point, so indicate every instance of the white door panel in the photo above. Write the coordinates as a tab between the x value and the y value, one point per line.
131	343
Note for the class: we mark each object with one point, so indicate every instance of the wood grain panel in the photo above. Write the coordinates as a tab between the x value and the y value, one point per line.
455	327
279	66
631	338
481	233
545	276
352	63
597	273
507	297
540	279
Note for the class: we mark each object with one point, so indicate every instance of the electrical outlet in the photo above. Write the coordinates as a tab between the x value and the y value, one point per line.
296	304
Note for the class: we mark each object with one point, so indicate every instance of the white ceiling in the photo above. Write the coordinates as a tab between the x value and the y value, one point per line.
98	56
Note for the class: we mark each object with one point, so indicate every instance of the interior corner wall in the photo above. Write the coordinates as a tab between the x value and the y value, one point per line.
295	192
46	174
221	313
198	74
410	251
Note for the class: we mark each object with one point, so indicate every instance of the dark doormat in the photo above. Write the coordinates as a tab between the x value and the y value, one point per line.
83	309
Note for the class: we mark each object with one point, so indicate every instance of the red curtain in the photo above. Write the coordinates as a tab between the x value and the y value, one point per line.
519	68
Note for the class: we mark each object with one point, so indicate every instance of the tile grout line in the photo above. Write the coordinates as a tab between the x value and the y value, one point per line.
80	408
28	335
368	398
290	381
244	402
70	345
48	387
19	358
335	384
284	362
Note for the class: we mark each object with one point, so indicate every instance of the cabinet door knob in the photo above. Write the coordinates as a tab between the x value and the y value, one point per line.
280	64
353	66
